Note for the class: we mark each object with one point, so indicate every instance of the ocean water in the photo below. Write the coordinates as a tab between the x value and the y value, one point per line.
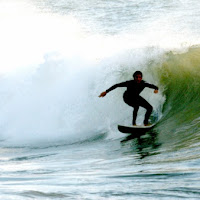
58	140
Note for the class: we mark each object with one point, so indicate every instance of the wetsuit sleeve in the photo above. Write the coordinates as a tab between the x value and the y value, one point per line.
151	86
123	84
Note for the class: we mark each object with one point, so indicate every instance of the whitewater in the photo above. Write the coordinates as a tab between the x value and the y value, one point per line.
58	139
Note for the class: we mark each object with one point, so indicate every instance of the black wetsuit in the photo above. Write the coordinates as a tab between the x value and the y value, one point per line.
132	98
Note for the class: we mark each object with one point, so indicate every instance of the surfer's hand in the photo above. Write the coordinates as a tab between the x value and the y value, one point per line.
155	91
103	94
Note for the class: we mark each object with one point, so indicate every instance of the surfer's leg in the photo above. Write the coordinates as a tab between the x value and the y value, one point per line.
131	102
143	103
135	111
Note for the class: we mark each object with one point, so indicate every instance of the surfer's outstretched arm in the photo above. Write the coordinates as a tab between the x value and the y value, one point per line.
152	86
123	84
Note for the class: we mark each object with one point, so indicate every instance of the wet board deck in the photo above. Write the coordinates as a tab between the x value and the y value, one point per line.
134	129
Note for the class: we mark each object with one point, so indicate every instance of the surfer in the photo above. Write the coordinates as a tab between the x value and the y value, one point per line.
132	95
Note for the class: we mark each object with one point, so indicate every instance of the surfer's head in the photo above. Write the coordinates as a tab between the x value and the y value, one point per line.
137	76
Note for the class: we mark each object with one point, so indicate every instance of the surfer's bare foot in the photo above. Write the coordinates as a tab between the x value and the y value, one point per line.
147	124
134	125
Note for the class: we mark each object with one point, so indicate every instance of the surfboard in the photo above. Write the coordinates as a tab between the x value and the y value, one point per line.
135	129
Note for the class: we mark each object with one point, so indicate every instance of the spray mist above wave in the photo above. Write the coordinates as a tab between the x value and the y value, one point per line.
28	33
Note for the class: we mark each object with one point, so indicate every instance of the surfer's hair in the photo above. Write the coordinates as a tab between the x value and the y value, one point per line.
137	73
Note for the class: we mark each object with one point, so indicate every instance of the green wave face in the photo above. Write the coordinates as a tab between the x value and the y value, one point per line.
179	74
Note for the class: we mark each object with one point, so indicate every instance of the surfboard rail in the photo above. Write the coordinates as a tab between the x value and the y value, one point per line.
134	129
